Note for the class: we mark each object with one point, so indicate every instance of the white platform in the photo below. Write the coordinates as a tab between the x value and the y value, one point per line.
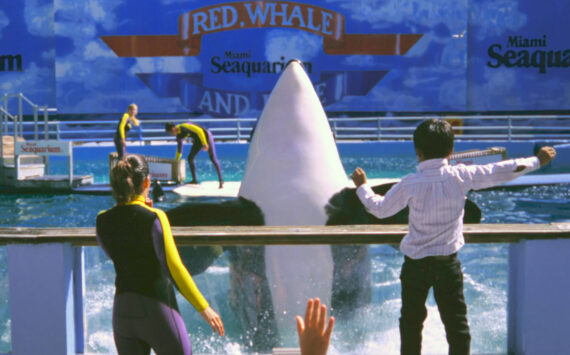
209	189
231	188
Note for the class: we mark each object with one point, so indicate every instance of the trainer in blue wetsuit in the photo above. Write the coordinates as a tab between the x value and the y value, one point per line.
123	128
138	239
201	139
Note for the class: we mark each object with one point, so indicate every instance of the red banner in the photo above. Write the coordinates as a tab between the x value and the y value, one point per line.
260	14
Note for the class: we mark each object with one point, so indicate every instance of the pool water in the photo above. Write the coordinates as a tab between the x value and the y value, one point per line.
370	330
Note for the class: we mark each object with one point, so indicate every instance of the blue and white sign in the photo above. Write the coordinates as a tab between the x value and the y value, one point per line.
221	58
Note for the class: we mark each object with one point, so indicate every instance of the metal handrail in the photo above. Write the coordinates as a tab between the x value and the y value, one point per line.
55	250
18	119
507	127
295	235
507	130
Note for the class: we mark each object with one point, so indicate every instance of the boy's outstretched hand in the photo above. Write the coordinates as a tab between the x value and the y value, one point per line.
314	339
545	155
358	177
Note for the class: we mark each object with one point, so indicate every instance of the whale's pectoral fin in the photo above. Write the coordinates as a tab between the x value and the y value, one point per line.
228	213
472	212
236	212
345	208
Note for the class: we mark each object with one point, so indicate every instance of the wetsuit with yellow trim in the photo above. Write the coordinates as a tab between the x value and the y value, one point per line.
200	138
123	128
139	241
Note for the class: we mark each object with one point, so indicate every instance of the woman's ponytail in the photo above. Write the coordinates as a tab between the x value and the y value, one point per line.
127	178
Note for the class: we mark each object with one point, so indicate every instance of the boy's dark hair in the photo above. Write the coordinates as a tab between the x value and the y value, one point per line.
434	139
169	126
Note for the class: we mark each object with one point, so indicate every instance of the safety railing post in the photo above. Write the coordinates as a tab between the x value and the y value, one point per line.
335	133
57	130
35	122
46	128
15	129
379	129
21	114
3	116
238	129
510	123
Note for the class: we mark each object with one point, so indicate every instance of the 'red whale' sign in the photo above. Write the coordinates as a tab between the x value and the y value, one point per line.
260	14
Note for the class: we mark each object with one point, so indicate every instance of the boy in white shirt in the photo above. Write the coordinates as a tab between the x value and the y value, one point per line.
436	197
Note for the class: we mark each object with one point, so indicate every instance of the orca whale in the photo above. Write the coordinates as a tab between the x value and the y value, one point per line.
293	176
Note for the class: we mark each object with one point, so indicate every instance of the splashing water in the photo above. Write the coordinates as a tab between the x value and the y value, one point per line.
372	329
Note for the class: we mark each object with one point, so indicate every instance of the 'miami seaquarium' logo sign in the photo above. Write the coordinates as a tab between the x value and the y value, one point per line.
524	52
332	86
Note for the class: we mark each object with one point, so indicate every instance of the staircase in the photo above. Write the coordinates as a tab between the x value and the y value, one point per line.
24	163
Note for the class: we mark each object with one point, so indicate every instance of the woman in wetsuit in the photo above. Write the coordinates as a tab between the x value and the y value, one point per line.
138	239
201	139
123	128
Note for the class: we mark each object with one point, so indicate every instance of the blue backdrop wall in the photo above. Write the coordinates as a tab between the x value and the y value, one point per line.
221	58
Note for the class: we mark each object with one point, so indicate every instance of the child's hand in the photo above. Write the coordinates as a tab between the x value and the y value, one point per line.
545	155
314	337
358	177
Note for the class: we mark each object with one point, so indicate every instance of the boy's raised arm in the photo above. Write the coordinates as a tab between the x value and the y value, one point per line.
379	206
485	176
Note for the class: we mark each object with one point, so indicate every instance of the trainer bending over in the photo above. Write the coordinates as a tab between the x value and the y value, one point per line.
201	139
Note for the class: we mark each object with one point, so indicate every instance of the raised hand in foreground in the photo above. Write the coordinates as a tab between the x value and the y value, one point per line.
314	338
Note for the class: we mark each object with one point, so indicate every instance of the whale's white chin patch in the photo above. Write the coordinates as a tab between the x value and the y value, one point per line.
293	169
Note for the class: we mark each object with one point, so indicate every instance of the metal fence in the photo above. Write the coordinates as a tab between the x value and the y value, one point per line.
53	257
377	128
468	128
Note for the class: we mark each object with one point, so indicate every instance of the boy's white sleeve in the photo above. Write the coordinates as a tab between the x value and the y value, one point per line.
484	176
383	206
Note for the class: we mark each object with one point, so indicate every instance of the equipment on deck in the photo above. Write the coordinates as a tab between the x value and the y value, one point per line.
162	169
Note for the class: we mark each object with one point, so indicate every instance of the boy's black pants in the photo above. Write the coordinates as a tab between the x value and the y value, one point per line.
443	273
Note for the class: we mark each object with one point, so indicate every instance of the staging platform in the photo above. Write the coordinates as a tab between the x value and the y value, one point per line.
48	184
105	189
209	189
81	185
231	188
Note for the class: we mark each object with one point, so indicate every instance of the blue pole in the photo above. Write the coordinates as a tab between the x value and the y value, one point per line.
78	296
41	298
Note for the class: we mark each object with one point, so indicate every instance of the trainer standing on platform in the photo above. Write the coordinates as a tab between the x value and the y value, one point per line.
201	139
123	128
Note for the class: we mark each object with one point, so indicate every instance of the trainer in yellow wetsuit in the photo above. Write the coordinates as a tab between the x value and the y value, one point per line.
138	239
201	139
123	128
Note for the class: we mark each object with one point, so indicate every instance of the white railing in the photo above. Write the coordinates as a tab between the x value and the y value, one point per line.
496	127
467	127
378	128
17	120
